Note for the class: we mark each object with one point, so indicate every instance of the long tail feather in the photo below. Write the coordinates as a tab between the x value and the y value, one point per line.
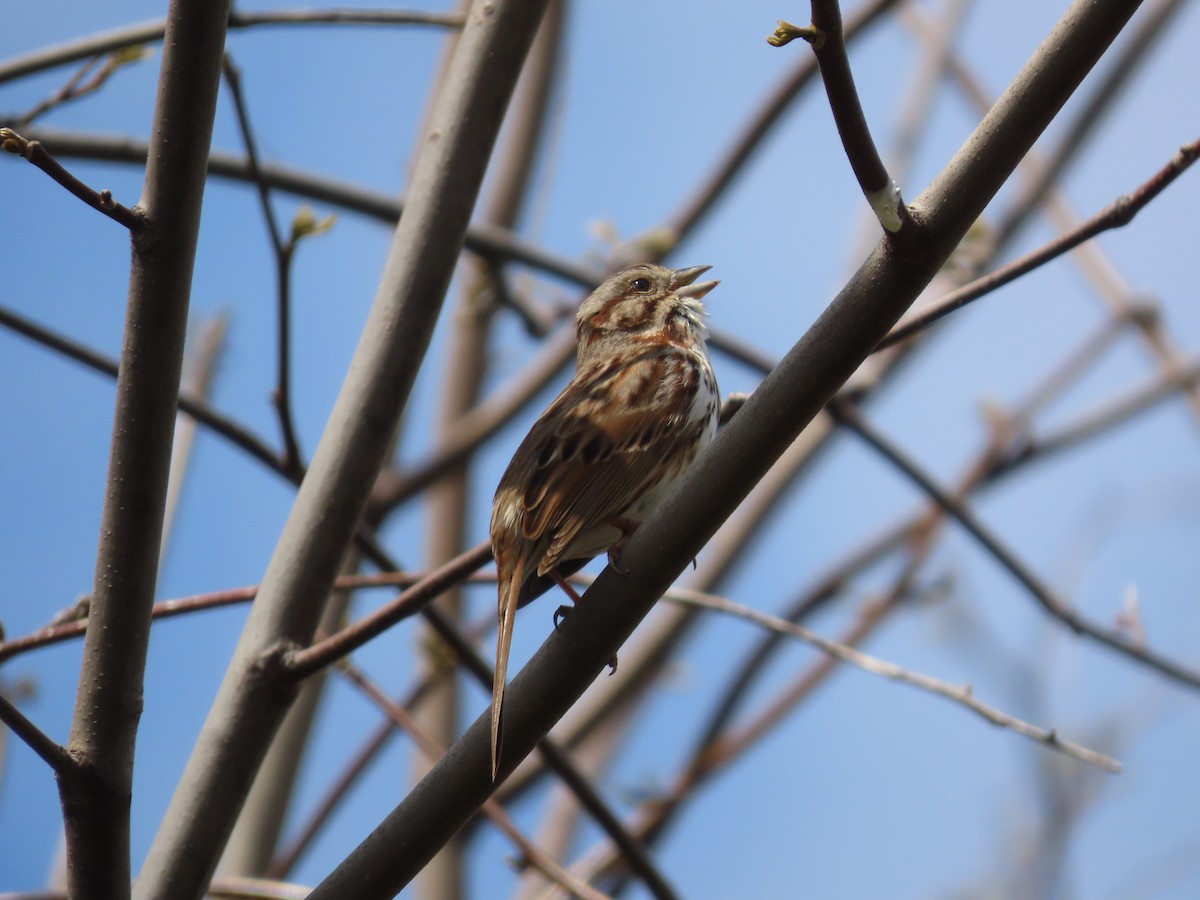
509	595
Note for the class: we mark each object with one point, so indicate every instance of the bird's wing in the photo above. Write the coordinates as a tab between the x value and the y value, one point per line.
601	445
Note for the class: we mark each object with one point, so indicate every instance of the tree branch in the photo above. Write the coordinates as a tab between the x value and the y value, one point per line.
52	754
282	252
848	416
96	799
101	201
152	31
249	707
786	401
401	718
828	43
964	696
1116	215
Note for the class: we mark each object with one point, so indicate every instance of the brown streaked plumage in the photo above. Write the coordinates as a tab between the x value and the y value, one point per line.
642	404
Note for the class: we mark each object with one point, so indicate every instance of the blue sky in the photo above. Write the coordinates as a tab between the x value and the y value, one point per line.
871	789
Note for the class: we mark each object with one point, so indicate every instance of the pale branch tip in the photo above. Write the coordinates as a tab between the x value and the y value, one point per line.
36	154
886	203
786	32
11	142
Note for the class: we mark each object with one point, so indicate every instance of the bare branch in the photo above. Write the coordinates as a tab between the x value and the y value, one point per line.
283	252
96	800
1116	215
1055	606
152	31
302	663
329	504
828	43
401	718
102	201
963	696
786	401
52	754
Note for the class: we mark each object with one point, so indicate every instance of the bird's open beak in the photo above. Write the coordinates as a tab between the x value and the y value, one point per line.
685	282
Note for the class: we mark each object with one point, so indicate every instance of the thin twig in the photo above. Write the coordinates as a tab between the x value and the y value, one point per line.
302	663
754	133
1117	214
402	719
1052	604
1106	416
826	37
152	31
961	695
101	201
283	252
51	753
237	434
100	68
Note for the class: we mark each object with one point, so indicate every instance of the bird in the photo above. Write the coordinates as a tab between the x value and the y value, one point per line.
642	404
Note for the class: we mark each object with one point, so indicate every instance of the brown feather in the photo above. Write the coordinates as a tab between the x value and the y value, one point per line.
625	427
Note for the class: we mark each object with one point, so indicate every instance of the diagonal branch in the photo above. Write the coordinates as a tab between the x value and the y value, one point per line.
1117	214
102	201
785	402
402	718
52	754
1052	604
963	696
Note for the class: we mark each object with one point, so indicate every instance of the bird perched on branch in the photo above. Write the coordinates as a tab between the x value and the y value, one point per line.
642	404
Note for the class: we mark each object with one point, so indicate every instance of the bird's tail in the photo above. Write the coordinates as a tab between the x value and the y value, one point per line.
509	595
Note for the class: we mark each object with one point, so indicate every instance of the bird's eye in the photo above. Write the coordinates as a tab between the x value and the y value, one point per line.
641	285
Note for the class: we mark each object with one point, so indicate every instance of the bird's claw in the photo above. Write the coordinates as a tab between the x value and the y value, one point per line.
614	556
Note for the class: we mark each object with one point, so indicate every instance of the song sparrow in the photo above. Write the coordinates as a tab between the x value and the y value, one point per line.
642	404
